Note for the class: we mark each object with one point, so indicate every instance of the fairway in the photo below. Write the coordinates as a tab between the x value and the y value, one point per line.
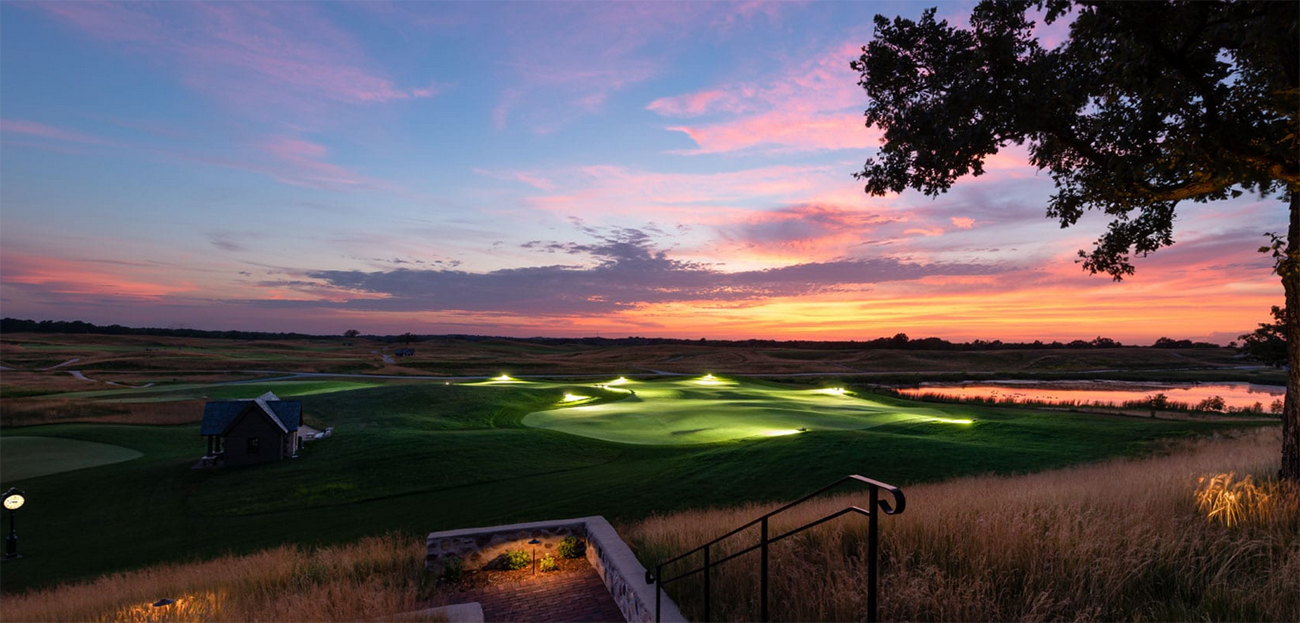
710	409
28	457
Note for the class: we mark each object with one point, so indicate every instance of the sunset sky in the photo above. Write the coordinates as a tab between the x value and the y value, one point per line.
572	169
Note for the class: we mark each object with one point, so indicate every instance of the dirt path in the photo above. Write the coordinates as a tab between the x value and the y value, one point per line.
77	374
70	361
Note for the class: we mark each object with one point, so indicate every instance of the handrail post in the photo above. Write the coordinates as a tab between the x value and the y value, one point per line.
763	581
706	582
872	536
659	589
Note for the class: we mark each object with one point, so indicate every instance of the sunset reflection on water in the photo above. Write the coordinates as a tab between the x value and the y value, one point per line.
1235	395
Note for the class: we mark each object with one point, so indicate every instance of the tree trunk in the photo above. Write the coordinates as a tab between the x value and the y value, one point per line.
1289	268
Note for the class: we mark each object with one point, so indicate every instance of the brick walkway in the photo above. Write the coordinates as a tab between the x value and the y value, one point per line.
560	596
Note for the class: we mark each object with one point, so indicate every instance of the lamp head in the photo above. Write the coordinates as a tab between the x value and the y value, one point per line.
14	499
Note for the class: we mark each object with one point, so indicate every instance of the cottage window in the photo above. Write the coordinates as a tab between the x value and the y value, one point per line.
252	445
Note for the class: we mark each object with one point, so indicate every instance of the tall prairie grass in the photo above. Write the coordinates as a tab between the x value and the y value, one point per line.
1120	540
37	411
367	580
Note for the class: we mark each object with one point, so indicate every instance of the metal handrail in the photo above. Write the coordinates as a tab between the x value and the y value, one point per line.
874	487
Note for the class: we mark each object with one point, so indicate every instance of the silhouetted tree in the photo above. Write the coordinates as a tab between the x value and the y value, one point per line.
1144	105
1268	342
351	333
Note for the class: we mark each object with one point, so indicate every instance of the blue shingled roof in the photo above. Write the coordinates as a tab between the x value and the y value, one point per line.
217	415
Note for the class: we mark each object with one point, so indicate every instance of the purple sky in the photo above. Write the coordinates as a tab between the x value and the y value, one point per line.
677	169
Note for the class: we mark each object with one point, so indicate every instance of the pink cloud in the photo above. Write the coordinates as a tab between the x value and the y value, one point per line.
963	222
40	130
930	231
783	131
809	104
692	104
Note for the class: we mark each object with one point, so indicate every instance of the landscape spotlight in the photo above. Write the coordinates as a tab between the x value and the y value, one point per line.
708	379
618	381
503	377
574	397
13	500
534	543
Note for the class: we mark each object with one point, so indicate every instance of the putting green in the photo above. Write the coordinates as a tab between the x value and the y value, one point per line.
707	409
28	457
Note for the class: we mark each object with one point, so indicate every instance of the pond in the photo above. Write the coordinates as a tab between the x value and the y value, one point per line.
1114	393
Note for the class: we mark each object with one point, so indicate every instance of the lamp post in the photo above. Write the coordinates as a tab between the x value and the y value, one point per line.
534	543
13	501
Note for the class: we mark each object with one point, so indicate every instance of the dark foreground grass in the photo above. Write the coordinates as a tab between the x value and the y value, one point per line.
419	457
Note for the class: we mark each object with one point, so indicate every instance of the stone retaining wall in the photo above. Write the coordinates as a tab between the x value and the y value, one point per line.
623	574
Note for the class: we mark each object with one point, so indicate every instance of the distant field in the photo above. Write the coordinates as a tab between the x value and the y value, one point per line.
23	457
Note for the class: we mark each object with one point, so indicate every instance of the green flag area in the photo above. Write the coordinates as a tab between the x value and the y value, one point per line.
24	457
710	409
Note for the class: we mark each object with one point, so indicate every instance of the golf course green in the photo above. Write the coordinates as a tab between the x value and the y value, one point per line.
23	457
710	409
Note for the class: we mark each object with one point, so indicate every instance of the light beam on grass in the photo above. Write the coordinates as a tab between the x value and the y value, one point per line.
619	381
708	379
503	378
575	398
832	391
780	432
952	421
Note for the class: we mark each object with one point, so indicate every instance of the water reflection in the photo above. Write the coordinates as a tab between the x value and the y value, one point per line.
1235	395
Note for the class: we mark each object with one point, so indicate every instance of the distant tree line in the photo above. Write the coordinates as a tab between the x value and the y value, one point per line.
14	325
899	341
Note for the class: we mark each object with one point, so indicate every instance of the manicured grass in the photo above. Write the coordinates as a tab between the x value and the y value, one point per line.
711	409
417	457
23	457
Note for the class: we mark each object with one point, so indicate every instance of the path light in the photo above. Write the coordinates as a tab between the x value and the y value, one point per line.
13	501
708	379
503	377
534	543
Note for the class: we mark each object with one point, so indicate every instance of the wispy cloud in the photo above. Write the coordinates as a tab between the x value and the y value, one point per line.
249	54
807	105
41	130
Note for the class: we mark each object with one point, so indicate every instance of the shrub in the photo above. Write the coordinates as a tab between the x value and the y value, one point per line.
572	547
1213	403
548	563
516	559
454	571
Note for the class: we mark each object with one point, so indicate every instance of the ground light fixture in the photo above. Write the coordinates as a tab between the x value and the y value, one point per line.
708	379
534	543
503	377
575	397
13	500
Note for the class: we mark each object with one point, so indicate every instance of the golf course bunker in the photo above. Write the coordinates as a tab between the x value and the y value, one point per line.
24	457
709	409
